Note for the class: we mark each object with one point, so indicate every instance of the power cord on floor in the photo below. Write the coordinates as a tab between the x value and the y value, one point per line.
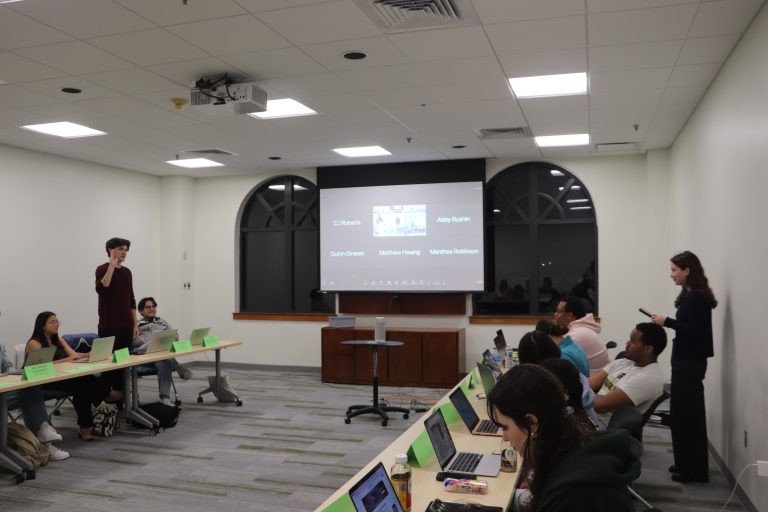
736	485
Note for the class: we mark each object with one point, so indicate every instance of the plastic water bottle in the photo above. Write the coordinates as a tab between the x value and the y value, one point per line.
508	359
379	330
400	475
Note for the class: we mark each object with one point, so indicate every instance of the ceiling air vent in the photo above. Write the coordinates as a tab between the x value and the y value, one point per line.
210	151
393	16
616	147
517	132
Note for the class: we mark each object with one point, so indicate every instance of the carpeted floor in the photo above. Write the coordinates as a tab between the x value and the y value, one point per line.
286	449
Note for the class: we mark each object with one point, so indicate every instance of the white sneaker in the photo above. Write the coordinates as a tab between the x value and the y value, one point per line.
166	401
58	453
47	434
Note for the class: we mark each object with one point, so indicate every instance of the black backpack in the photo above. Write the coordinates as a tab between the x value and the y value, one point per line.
167	415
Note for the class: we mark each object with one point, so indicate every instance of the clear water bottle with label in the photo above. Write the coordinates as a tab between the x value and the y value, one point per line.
508	359
400	475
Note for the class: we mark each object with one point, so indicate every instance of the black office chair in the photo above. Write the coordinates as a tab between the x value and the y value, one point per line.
630	419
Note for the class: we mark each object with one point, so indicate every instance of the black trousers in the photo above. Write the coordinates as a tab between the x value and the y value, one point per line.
689	420
86	391
123	339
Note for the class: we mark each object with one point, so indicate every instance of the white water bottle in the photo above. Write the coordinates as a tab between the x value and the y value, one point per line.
379	331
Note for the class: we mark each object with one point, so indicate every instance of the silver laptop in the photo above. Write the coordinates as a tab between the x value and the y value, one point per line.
37	356
482	464
196	338
487	378
161	340
470	418
374	492
101	350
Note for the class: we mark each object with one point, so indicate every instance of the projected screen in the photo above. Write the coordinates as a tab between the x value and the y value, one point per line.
426	237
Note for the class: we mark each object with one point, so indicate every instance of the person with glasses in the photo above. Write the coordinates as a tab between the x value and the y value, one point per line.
86	390
148	324
584	330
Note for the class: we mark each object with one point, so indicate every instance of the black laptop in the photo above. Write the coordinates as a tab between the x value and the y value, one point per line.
470	418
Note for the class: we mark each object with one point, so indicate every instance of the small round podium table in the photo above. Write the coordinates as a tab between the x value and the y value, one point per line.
377	407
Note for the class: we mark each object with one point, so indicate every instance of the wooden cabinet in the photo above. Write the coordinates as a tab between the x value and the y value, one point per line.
428	358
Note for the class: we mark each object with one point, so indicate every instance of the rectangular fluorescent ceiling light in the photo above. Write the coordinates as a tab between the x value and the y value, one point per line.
362	151
577	200
8	1
194	163
64	129
581	207
549	85
284	108
550	141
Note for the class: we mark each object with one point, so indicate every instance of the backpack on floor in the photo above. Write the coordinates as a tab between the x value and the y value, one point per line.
167	415
26	443
105	419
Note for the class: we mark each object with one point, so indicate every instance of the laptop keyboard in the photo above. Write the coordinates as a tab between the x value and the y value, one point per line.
465	462
487	427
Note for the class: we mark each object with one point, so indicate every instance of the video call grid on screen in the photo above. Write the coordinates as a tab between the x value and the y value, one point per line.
419	238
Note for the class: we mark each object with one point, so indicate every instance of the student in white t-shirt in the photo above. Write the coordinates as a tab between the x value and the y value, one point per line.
635	380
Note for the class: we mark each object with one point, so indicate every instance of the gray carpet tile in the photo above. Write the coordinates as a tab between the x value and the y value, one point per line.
286	449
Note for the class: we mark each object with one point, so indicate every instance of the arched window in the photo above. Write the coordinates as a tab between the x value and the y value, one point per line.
279	244
541	238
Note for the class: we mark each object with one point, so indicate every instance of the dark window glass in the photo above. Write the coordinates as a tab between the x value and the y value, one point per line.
279	249
542	241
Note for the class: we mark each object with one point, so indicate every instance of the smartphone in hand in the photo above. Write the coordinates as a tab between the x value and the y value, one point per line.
645	312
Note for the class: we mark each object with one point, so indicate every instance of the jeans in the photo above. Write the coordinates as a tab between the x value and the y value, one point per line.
164	371
32	405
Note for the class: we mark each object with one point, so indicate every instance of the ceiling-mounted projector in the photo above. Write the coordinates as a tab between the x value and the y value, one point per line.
230	99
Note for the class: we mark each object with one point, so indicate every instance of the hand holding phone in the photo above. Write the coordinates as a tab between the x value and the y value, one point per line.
645	312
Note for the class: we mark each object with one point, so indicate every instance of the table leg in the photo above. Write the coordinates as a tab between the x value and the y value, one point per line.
132	410
9	459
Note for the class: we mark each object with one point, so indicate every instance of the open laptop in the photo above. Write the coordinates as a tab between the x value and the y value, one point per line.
196	338
101	350
374	492
161	340
488	358
470	418
499	342
36	356
487	378
483	464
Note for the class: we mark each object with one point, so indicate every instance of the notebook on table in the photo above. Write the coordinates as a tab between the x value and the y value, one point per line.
374	492
482	464
470	418
101	350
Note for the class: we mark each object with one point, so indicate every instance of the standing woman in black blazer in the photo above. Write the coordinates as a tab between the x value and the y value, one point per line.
691	347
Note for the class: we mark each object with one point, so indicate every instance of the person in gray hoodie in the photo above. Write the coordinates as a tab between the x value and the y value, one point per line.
584	330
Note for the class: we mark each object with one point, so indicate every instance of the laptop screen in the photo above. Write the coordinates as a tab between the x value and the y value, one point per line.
491	362
499	341
486	377
437	430
374	492
465	409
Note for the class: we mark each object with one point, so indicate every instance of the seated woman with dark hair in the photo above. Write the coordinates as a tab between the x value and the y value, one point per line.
535	347
85	390
572	469
568	376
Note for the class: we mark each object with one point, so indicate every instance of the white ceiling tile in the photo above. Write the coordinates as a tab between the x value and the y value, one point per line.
724	17
84	18
15	68
500	11
428	95
387	77
269	5
621	116
173	12
307	85
702	50
461	71
75	57
557	115
674	111
697	74
18	31
19	96
188	72
683	94
523	149
148	47
453	43
631	98
272	64
628	5
644	25
137	111
566	152
601	81
379	50
16	117
545	63
356	117
539	35
310	24
53	88
328	103
616	132
226	36
634	56
133	81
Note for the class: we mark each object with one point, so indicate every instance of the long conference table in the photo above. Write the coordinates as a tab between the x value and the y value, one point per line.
12	461
425	487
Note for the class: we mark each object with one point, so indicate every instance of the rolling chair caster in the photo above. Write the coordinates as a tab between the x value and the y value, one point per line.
347	421
19	478
31	474
199	399
405	416
384	423
239	403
